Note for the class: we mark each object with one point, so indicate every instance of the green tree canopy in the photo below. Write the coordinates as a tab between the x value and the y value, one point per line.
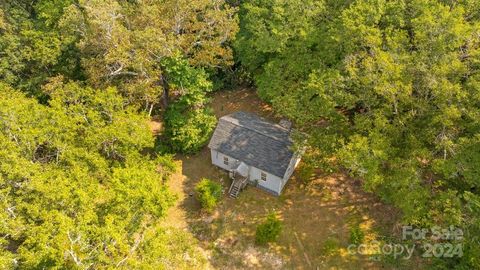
125	43
76	188
387	89
35	44
112	43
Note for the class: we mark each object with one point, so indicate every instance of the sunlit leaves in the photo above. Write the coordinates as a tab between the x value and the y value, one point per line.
77	188
386	89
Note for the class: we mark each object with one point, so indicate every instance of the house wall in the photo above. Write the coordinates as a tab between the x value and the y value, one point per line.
273	183
291	167
217	159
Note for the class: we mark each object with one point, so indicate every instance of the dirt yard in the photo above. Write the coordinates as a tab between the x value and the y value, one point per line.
317	215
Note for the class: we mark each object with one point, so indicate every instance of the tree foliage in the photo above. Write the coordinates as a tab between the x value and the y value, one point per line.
269	230
35	44
390	89
387	90
79	183
76	190
209	193
188	121
112	43
126	43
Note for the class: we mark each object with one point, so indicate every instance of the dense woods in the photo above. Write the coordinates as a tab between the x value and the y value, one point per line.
80	182
75	187
388	91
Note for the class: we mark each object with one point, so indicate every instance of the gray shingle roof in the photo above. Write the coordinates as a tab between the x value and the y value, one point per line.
253	140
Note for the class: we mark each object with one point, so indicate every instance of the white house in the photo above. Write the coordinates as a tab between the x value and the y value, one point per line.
253	151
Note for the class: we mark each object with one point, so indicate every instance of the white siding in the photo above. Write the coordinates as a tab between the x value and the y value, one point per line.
291	167
217	159
273	183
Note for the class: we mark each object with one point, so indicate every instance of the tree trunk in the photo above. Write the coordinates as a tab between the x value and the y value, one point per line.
166	91
150	110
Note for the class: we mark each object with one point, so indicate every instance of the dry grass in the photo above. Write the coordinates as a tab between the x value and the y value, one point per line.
316	215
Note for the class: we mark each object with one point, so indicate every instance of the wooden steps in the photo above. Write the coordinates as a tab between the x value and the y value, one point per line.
234	191
237	185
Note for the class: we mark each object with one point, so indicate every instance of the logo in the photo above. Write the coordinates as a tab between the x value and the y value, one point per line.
431	242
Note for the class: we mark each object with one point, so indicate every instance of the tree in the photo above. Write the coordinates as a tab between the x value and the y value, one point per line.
77	190
112	43
80	182
35	45
188	122
125	43
387	90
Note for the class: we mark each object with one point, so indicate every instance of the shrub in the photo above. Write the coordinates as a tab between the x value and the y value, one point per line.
356	235
209	193
269	230
330	247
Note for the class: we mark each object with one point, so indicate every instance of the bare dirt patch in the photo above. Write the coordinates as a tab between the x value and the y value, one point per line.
317	215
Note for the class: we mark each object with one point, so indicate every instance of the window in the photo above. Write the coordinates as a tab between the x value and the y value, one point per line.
225	160
263	176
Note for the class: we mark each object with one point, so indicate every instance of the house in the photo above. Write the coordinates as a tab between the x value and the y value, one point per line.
253	151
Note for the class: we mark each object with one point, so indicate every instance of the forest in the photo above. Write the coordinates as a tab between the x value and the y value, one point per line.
387	92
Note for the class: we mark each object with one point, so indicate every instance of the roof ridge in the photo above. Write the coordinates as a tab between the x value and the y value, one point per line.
256	131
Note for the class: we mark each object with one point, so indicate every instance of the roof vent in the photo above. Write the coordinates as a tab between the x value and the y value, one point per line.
285	124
